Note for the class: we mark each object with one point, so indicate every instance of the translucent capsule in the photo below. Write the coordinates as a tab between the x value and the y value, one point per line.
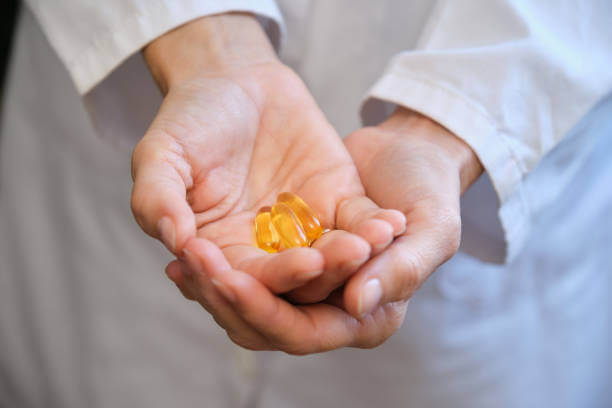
308	220
288	227
265	234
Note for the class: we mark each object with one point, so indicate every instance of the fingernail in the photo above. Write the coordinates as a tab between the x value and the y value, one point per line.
370	296
400	216
225	291
308	275
165	226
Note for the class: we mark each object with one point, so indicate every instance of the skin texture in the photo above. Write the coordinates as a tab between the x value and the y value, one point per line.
235	129
426	170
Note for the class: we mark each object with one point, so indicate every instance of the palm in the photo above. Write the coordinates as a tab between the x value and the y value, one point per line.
291	148
235	150
413	169
419	179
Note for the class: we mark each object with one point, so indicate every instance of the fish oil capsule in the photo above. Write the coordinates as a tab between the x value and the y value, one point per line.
288	227
307	218
265	234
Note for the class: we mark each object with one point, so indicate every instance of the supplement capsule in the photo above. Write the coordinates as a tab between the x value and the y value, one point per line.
265	234
308	220
288	227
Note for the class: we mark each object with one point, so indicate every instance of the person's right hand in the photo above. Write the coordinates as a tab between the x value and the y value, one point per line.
236	128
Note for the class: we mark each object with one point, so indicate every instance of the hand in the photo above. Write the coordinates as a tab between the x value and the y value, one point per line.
236	128
256	319
412	164
424	170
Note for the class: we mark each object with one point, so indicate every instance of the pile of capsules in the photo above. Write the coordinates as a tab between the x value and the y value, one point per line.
289	223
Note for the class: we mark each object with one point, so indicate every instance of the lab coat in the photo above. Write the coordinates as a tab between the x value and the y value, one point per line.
520	317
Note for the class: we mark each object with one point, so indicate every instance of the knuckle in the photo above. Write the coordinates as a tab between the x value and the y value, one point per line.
451	235
448	222
411	272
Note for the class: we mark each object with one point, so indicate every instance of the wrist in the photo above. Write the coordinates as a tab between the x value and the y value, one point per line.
211	45
406	123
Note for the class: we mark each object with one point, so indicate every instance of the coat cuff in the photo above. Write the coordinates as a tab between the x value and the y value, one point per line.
471	122
110	47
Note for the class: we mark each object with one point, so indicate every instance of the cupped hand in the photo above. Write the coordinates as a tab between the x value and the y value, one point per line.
257	319
410	163
227	139
415	165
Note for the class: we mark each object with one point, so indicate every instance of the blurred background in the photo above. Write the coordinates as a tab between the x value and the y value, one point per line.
7	25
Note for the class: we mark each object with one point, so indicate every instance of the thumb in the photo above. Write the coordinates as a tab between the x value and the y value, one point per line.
159	201
399	271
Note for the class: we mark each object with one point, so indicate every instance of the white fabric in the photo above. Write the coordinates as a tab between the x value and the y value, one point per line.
511	78
88	319
93	37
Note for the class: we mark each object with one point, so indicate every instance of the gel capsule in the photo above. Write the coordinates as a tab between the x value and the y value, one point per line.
308	220
265	234
288	227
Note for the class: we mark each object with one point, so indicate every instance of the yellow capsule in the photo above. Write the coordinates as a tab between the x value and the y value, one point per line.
265	233
307	218
289	230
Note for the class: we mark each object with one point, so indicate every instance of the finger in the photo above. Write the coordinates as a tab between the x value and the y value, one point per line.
381	324
308	329
159	195
344	253
193	279
280	272
398	272
336	298
174	273
295	330
363	217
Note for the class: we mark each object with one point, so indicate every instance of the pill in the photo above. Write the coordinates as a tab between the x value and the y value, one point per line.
265	234
308	220
288	227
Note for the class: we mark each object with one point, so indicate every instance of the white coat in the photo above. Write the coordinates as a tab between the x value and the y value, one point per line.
520	317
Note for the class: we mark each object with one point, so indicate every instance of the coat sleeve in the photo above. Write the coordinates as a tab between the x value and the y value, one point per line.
93	37
509	77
